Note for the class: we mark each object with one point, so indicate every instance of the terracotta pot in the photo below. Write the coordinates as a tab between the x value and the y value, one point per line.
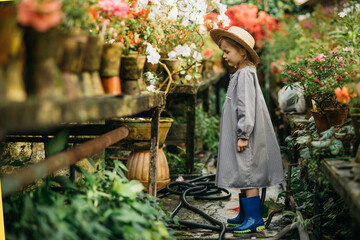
140	132
97	84
112	85
173	66
73	52
330	117
149	67
138	166
41	73
93	52
72	87
7	25
13	82
111	59
131	70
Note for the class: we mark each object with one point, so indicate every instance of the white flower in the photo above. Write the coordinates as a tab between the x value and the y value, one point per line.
141	4
342	14
346	49
173	14
192	45
225	19
222	8
188	77
172	55
170	2
153	58
150	75
197	56
150	88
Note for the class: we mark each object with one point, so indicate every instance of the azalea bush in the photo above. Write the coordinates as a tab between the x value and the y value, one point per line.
318	75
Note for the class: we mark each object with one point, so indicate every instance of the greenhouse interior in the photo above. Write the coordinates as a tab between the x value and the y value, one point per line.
179	119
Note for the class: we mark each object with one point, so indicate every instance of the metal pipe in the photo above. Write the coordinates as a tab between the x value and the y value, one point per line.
13	182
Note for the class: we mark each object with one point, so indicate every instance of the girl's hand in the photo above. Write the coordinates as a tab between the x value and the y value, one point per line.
242	144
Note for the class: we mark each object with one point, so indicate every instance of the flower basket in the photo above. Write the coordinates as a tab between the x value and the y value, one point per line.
173	65
329	117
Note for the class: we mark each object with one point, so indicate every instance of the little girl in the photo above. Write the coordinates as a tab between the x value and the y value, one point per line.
249	155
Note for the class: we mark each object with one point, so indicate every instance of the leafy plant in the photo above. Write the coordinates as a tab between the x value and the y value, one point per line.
105	205
208	129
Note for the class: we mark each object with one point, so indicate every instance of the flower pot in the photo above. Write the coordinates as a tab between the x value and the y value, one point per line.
111	59
7	26
86	84
173	66
330	117
13	83
93	52
149	67
138	165
97	83
72	87
131	71
111	85
41	72
140	132
73	52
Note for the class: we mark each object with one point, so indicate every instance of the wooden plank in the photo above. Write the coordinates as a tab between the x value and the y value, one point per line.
340	176
154	147
35	114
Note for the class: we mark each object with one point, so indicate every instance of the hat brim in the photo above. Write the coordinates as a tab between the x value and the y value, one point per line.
217	34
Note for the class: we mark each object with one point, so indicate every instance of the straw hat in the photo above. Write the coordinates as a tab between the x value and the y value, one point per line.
239	35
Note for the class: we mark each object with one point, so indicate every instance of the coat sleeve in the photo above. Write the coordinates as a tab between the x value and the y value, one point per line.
246	101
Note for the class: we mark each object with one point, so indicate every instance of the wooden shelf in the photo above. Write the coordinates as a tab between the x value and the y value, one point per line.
35	114
340	174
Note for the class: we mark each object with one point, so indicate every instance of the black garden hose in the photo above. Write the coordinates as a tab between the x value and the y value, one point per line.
202	188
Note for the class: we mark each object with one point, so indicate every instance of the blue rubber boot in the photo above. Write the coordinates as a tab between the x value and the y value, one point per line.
239	219
253	220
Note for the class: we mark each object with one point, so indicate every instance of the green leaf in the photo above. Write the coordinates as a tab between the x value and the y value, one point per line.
321	144
305	153
302	139
58	143
65	182
327	134
336	147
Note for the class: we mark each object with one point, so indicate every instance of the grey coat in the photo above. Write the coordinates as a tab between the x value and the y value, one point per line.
245	115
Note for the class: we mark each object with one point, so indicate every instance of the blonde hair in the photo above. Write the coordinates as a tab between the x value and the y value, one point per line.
248	58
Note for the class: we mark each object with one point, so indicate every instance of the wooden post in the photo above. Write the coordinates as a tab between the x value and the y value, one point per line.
154	149
206	102
190	132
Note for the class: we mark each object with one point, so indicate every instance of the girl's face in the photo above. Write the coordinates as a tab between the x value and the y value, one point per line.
233	56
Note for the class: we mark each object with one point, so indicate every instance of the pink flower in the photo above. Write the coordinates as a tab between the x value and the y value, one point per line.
317	35
325	10
40	15
322	84
307	24
346	49
316	80
309	71
117	8
320	57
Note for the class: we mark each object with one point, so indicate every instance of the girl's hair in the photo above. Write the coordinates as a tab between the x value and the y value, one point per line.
235	44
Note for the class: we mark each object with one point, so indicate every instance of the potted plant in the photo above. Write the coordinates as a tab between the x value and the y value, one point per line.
317	76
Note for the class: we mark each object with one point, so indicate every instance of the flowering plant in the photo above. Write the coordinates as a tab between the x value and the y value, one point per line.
260	24
41	15
317	76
